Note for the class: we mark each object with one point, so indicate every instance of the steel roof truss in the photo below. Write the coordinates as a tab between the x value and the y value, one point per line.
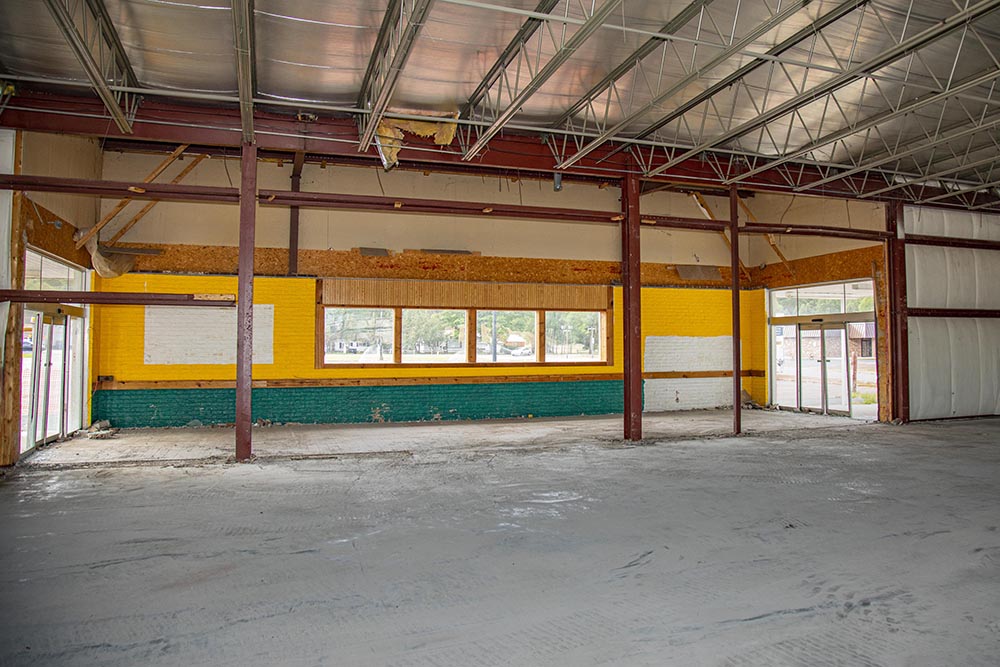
88	31
401	24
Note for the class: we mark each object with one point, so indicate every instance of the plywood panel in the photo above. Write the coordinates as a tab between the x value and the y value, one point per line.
444	294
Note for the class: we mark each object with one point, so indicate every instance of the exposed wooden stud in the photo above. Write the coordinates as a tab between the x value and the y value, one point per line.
770	239
120	206
397	336
703	205
149	207
10	373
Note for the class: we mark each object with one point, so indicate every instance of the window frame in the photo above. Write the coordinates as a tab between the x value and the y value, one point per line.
606	339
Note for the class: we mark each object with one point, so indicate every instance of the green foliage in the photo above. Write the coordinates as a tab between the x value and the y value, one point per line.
572	331
427	331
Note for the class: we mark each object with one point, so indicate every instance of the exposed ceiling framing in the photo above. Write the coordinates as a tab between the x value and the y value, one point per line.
876	99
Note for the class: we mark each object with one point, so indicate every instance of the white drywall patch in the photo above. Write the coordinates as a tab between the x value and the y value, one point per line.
688	353
199	335
660	395
954	367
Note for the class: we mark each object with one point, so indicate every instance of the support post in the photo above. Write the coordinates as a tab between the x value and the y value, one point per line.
631	307
734	268
10	372
244	304
899	334
293	215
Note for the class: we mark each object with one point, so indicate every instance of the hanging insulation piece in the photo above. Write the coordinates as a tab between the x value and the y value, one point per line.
390	134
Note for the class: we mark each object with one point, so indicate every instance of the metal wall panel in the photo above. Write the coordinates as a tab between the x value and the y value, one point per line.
938	277
954	367
951	223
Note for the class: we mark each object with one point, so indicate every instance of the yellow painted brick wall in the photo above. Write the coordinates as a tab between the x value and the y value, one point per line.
120	336
119	332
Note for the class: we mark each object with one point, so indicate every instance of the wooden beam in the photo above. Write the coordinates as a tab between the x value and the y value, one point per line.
149	207
244	307
122	203
10	374
703	205
770	239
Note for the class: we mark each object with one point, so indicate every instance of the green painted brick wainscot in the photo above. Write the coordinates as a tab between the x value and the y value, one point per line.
141	408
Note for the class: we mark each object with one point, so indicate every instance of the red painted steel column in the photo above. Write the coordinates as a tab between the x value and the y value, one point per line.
244	304
631	307
734	268
899	340
293	216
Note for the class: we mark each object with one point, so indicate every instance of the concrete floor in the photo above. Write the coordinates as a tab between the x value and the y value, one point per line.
186	445
845	545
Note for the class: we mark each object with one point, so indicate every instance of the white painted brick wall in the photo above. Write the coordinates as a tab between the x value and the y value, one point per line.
687	394
200	335
688	353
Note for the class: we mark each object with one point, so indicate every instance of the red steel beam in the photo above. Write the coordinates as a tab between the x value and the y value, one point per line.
952	312
899	339
948	242
327	200
293	216
734	270
244	306
816	230
115	298
694	224
631	307
120	189
161	121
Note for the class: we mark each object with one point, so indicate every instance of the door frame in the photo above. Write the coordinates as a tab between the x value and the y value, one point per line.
823	327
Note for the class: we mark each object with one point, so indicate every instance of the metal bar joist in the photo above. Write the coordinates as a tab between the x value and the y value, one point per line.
633	61
88	30
824	91
507	56
507	96
398	33
737	44
904	109
246	76
810	31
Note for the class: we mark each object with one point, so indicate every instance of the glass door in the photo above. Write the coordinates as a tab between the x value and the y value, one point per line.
811	368
52	378
823	369
838	395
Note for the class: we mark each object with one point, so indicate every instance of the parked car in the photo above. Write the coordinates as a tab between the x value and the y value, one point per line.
525	351
26	346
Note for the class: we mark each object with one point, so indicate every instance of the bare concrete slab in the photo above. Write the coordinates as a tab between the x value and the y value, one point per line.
860	545
180	445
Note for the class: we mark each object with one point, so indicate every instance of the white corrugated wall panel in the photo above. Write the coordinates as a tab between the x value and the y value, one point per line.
954	367
953	224
939	277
